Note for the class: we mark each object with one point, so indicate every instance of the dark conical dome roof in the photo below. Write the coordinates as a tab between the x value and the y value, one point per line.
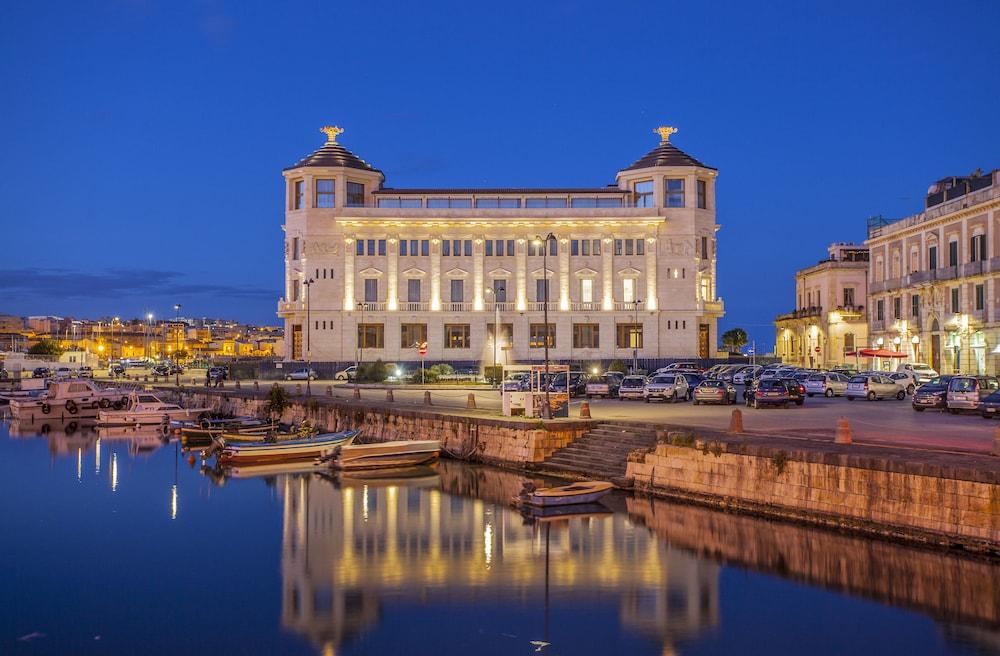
333	154
666	154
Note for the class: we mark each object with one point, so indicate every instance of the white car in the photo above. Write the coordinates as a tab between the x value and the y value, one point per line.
906	379
828	384
922	372
746	374
633	387
346	374
666	387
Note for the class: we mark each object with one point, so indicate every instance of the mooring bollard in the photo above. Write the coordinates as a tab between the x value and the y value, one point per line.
996	442
388	395
329	390
470	403
256	386
585	410
357	392
736	422
843	435
298	389
427	398
237	384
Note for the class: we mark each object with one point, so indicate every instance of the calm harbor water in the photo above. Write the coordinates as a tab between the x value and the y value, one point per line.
115	544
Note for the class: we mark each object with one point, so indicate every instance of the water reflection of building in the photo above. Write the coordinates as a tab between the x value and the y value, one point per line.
346	549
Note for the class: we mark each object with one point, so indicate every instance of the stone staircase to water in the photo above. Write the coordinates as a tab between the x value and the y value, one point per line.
603	452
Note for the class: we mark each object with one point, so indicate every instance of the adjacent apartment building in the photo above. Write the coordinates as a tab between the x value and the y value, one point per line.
830	319
373	271
933	279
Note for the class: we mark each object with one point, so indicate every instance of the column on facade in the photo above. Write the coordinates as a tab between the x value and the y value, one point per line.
435	275
564	275
651	303
348	275
715	260
607	274
391	275
477	274
521	256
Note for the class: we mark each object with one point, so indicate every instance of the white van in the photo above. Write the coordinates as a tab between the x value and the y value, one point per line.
921	371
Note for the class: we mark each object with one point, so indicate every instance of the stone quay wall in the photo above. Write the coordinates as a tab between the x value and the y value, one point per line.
464	435
939	498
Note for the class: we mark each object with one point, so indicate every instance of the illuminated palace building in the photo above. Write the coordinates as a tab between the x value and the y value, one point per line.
933	277
375	271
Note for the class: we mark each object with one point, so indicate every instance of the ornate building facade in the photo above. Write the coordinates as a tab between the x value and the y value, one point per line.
373	271
933	277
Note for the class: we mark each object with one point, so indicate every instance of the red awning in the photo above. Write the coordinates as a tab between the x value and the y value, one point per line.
878	353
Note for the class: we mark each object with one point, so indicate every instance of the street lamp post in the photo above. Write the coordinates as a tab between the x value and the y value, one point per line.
635	337
362	337
496	331
915	340
308	285
177	349
547	410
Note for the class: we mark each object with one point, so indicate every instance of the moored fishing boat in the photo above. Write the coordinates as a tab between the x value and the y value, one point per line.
147	409
309	448
563	495
398	453
80	398
204	431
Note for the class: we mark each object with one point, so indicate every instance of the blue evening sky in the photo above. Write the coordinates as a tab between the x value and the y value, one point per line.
142	141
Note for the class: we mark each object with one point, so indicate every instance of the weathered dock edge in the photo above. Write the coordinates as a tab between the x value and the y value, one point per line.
936	498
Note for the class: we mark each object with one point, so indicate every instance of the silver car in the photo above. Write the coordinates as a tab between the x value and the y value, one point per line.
828	384
873	386
666	387
965	392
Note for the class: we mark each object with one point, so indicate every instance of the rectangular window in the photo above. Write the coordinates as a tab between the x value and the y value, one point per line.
295	289
381	247
359	247
618	247
880	310
510	248
413	290
537	334
553	247
541	290
413	247
533	249
488	248
412	335
848	296
371	290
457	290
457	335
506	334
932	258
897	307
628	290
371	335
536	203
295	248
954	300
403	244
500	290
642	193
587	290
628	246
298	194
585	247
355	194
952	253
702	195
371	247
449	203
446	248
914	306
586	335
628	335
674	191
425	247
325	194
467	248
596	248
574	247
704	248
640	247
980	297
977	248
498	203
498	246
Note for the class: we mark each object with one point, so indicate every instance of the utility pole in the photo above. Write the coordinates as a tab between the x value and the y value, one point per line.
308	285
547	409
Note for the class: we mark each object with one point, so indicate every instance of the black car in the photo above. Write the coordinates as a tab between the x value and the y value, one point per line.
693	380
769	391
933	395
160	370
41	372
218	373
989	407
796	390
577	383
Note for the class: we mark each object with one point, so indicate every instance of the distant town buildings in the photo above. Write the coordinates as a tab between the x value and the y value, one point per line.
374	272
829	322
933	277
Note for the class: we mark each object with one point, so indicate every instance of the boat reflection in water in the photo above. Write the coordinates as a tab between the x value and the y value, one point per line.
451	537
73	437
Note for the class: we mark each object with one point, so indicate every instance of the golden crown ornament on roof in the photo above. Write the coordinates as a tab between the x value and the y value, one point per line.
331	132
665	131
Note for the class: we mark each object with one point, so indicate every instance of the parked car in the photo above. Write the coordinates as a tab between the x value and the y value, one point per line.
577	383
828	384
619	376
769	391
922	372
965	392
160	370
905	379
691	366
85	371
346	374
62	373
714	391
746	374
175	368
989	407
932	395
796	389
302	374
631	387
604	386
41	372
873	386
666	387
116	370
693	380
218	373
844	369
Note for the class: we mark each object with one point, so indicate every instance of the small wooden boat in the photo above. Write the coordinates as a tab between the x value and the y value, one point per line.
311	448
564	495
203	431
398	453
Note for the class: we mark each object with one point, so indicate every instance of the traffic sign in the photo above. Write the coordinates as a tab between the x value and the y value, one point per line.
422	349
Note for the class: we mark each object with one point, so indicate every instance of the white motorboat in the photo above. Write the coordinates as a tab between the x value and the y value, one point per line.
79	398
146	409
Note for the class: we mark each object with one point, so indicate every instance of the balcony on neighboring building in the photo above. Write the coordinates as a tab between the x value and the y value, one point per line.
290	306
